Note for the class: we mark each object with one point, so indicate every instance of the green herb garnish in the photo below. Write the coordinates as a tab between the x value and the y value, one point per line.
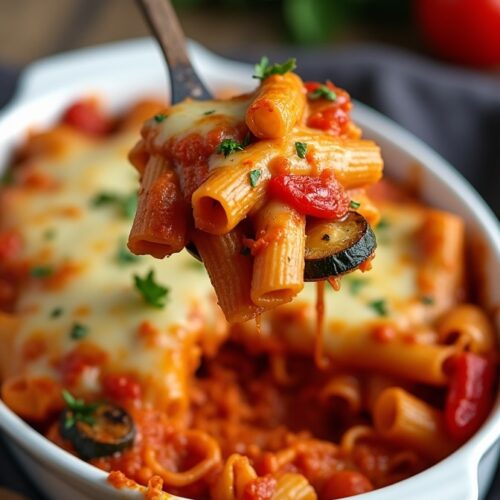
7	178
229	146
159	117
79	410
126	204
263	69
427	300
356	284
354	204
322	92
56	312
301	148
124	256
153	293
41	271
49	234
209	112
254	176
78	331
383	223
379	306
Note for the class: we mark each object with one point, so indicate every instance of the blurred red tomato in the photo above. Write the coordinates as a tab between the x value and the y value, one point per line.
465	31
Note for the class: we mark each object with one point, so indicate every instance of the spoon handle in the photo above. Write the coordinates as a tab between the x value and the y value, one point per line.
165	26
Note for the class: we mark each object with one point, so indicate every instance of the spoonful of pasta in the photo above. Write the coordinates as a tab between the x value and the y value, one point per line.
165	26
267	189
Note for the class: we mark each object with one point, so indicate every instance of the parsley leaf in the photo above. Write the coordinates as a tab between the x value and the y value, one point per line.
126	204
56	312
354	204
6	178
153	293
356	284
229	146
78	331
209	112
79	411
383	223
379	306
159	117
301	148
124	256
427	300
49	234
41	271
263	69
254	176
322	92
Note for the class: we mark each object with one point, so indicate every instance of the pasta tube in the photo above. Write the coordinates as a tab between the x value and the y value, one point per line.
278	272
159	227
407	420
277	106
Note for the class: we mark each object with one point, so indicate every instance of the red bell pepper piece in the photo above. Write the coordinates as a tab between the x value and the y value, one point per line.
87	117
322	197
469	395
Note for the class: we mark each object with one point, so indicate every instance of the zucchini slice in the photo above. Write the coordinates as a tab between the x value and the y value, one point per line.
109	429
337	247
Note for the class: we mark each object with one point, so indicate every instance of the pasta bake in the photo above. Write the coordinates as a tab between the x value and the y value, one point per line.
130	363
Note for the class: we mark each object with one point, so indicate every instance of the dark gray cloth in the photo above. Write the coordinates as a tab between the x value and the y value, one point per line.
455	111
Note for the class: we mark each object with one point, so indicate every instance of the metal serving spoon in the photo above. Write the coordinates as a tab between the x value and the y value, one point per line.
165	26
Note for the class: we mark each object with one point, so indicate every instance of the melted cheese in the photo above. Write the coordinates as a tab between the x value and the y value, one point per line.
196	117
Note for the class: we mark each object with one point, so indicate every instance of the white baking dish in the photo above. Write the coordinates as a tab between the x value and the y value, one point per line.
123	72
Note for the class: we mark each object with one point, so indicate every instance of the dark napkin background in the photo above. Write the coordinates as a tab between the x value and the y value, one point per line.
455	111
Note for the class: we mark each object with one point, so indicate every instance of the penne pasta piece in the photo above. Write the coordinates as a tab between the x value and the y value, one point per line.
278	271
139	156
344	389
159	227
467	327
406	420
278	105
441	275
230	273
373	385
229	193
361	203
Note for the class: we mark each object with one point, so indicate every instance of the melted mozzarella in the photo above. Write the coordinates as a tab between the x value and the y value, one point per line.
196	117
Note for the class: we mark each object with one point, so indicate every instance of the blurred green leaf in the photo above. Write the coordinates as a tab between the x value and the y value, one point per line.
314	21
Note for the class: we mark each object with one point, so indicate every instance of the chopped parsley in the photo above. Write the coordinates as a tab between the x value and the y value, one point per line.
6	178
125	203
124	256
356	284
152	292
160	117
354	204
427	300
195	264
41	271
79	411
254	176
229	146
383	223
209	112
301	148
78	331
49	234
56	312
379	306
322	92
263	69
